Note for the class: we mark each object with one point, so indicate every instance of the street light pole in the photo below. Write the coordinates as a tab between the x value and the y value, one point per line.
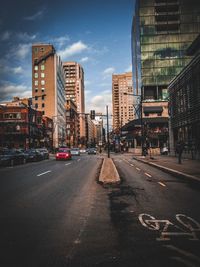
108	137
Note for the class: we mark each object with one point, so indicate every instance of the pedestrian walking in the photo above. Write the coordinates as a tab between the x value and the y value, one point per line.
179	150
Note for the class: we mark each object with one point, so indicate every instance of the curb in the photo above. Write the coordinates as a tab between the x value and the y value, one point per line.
109	173
170	171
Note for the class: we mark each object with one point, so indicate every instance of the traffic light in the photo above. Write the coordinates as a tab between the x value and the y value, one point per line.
92	114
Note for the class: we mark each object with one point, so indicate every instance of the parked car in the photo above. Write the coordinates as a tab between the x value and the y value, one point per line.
10	157
63	154
44	152
75	151
33	155
83	150
92	150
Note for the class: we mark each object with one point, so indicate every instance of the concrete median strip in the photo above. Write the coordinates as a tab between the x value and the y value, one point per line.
108	174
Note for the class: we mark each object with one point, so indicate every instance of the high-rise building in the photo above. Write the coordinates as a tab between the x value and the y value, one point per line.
74	90
162	31
48	88
122	99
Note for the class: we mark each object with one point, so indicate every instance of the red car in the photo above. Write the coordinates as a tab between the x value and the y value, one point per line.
63	153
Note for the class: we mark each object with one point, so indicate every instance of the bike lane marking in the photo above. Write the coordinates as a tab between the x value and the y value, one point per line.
138	169
43	173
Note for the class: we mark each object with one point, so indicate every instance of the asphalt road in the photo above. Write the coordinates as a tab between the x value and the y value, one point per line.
56	214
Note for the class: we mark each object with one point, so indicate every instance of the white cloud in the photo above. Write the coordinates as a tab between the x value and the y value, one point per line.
108	72
75	48
18	70
5	36
84	59
24	36
22	50
99	102
35	16
9	90
129	69
60	41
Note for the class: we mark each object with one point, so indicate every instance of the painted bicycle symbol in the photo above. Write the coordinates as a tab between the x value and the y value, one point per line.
189	227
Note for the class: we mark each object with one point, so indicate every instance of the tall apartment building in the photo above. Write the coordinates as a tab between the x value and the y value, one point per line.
48	88
74	90
122	103
162	31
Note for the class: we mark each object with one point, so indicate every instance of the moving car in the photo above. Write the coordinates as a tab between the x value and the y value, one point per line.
63	154
92	150
75	151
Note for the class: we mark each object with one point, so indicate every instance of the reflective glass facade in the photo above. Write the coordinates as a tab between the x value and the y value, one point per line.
162	31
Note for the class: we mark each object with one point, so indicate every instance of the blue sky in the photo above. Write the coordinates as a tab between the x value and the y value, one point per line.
97	34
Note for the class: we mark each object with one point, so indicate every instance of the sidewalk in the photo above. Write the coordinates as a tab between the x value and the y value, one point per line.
189	169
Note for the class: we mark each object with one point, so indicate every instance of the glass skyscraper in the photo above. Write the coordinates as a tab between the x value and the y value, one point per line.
162	31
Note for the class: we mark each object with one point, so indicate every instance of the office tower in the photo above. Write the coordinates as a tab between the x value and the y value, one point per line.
162	30
74	90
122	99
48	88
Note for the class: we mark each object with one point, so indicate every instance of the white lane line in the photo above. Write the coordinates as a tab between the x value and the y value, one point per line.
67	164
138	169
183	252
162	184
132	165
147	174
43	173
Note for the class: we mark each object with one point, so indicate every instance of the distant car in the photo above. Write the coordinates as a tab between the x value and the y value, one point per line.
75	151
83	150
92	151
63	154
44	152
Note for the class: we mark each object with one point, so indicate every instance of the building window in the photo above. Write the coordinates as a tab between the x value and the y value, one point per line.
36	82
36	98
42	49
36	67
35	50
43	89
43	97
42	82
42	74
36	105
42	67
36	75
43	112
43	105
36	90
